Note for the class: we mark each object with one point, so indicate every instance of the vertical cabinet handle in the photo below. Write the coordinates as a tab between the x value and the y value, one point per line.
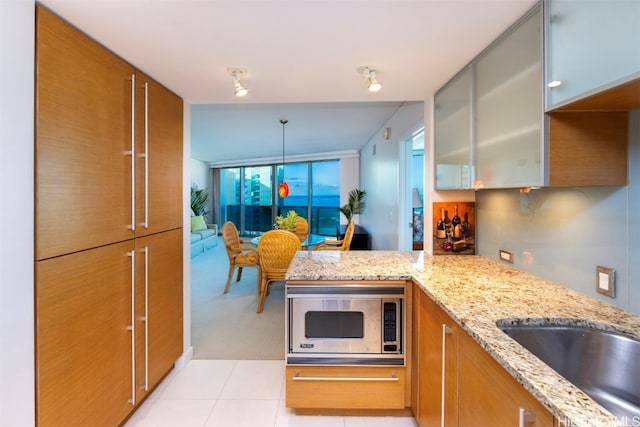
132	328
145	224
145	250
132	226
445	331
525	417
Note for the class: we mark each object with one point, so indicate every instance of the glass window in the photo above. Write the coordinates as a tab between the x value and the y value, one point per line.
325	200
248	195
296	176
258	200
230	195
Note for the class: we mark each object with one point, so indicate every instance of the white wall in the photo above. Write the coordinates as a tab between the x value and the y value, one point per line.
380	177
200	172
17	38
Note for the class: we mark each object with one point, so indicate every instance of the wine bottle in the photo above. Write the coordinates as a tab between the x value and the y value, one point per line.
455	224
447	224
466	227
441	231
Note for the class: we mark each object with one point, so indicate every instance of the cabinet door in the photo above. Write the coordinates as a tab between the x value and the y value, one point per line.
508	125
590	46
83	341
158	307
83	137
452	127
488	395
159	135
437	365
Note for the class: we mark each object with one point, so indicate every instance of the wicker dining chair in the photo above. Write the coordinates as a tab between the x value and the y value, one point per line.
302	229
241	253
276	249
338	245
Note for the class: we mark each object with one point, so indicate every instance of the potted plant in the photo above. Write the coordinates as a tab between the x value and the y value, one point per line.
199	199
286	222
355	205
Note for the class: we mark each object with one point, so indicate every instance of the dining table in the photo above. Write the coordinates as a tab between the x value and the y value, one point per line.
309	243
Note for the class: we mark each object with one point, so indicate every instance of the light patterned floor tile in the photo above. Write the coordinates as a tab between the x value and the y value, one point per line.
243	413
200	379
174	413
255	379
379	422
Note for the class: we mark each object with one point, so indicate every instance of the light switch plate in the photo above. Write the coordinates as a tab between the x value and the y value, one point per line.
605	281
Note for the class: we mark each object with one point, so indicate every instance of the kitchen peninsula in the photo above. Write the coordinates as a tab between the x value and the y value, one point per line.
475	293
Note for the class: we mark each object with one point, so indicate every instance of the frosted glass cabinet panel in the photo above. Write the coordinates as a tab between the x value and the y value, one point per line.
452	128
590	46
508	108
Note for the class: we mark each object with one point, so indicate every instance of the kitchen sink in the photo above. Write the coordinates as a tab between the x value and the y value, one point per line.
603	364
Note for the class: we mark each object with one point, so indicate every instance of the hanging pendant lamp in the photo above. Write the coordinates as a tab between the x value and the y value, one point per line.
283	188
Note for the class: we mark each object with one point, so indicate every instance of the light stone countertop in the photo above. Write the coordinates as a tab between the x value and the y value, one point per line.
476	292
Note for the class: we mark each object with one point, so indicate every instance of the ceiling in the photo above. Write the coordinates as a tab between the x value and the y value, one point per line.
301	59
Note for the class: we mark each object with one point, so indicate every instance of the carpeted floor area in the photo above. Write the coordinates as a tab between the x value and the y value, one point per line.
226	326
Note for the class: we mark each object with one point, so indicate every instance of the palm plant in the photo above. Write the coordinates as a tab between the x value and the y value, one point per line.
356	203
199	199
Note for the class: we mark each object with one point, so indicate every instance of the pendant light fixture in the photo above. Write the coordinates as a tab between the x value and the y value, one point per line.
283	188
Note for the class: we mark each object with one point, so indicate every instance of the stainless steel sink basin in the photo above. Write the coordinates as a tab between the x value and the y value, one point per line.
605	365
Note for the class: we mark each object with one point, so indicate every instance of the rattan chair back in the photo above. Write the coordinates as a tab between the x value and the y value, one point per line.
302	229
276	250
241	253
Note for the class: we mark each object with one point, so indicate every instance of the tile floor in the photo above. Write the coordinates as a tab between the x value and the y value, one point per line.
235	393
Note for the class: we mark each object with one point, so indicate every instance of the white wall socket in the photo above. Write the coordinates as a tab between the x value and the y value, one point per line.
605	281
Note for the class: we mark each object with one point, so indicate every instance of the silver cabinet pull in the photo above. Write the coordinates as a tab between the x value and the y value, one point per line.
445	331
145	250
145	224
132	328
132	226
392	378
525	417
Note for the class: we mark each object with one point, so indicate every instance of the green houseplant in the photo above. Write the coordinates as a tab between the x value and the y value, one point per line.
286	222
356	203
199	199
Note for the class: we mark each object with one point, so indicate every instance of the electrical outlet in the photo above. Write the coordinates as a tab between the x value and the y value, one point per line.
506	256
605	281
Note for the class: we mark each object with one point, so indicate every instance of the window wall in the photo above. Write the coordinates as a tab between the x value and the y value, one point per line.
248	195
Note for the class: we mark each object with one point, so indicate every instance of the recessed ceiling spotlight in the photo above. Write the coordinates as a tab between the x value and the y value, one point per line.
369	72
238	88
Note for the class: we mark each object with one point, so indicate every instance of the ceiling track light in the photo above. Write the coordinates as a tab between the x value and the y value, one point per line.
238	89
374	84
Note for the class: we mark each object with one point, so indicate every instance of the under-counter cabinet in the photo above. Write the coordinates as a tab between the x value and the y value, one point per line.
345	387
109	251
458	383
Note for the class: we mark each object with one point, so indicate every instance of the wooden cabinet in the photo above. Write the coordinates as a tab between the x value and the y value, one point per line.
83	337
489	396
158	170
83	133
457	383
108	228
158	302
435	364
590	47
345	387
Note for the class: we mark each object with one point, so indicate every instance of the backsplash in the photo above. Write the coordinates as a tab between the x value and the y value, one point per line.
563	234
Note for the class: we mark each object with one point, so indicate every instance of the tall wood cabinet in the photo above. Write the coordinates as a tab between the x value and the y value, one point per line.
108	222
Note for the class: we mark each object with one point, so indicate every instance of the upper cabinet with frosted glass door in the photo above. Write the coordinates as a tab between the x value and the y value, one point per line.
508	118
452	129
591	46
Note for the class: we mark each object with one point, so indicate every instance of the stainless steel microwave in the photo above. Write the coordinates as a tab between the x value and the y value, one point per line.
345	324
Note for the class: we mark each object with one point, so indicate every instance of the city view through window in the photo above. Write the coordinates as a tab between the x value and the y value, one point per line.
248	195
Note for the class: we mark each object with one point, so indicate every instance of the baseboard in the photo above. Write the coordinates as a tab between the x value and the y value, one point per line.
184	359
